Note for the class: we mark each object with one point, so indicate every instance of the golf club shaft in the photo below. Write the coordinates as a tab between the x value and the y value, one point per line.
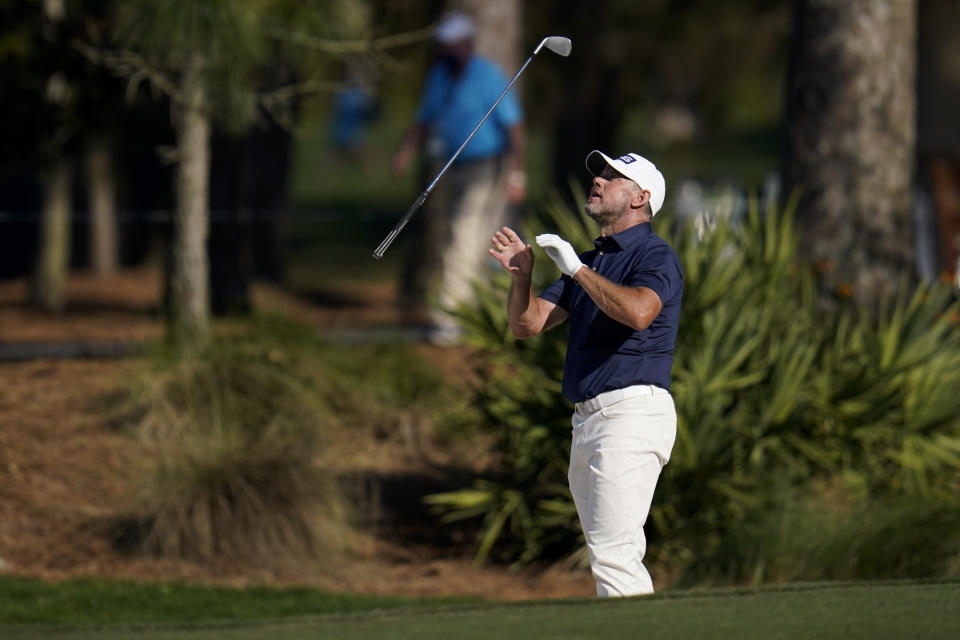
477	128
380	250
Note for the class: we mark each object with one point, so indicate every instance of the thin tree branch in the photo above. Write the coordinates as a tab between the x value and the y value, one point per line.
340	47
296	90
132	66
138	69
278	101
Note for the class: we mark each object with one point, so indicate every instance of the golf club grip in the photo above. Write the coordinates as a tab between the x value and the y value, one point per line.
383	246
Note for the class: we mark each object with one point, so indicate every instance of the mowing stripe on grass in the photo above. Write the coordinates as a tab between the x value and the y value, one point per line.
847	611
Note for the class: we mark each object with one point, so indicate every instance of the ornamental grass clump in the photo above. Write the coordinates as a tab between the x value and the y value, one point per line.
233	436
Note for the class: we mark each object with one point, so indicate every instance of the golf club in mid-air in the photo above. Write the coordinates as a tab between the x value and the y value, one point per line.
557	44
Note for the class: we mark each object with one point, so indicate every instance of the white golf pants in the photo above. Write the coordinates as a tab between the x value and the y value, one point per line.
620	443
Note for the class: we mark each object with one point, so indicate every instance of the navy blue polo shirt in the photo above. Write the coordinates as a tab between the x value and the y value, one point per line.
603	354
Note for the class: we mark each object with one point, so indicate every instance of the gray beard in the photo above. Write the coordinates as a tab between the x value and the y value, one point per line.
603	217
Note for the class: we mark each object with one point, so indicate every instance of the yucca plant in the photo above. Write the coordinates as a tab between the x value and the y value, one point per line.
825	531
772	393
890	393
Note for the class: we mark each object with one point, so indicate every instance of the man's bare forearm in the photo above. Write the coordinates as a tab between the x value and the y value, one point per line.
634	307
522	308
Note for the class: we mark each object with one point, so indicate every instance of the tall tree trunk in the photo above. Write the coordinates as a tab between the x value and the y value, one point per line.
938	134
188	288
851	138
102	205
498	31
53	263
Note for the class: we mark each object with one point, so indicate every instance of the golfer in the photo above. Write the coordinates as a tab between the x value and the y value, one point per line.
622	300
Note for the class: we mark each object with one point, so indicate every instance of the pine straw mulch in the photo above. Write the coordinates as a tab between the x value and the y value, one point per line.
66	472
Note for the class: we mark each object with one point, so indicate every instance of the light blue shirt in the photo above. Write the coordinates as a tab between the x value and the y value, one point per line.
452	107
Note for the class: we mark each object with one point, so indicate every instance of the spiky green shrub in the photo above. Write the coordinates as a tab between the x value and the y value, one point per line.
824	531
772	394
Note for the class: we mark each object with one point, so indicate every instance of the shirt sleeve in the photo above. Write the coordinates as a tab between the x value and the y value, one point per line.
508	112
432	96
660	272
558	293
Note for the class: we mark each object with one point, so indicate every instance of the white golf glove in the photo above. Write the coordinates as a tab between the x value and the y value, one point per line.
561	252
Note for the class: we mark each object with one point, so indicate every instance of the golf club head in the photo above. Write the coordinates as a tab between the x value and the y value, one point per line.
558	44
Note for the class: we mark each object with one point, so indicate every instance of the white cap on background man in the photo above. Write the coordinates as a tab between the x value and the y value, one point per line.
455	27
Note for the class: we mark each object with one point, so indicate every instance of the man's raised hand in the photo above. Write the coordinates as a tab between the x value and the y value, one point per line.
514	254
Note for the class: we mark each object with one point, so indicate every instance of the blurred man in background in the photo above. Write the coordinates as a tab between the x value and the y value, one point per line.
487	178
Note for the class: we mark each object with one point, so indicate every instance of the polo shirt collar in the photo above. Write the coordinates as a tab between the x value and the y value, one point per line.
627	238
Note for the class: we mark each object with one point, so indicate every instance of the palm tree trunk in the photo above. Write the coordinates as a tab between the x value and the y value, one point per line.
52	266
188	302
102	205
851	141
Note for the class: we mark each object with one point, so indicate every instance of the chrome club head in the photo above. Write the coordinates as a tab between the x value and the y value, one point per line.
558	44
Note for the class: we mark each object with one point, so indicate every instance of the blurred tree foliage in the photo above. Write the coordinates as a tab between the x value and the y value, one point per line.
657	72
650	73
55	103
785	413
230	64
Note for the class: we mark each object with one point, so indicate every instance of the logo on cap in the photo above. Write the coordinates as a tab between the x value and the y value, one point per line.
627	159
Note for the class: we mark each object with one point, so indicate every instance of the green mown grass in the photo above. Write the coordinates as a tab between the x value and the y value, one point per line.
86	601
827	610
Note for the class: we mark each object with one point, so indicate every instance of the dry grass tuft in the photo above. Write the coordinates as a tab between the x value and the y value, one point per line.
236	435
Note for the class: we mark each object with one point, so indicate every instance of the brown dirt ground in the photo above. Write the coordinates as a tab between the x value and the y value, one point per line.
63	468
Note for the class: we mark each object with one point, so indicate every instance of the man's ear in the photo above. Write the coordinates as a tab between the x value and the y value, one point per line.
639	199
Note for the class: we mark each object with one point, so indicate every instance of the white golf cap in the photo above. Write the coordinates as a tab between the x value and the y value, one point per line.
635	167
454	27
